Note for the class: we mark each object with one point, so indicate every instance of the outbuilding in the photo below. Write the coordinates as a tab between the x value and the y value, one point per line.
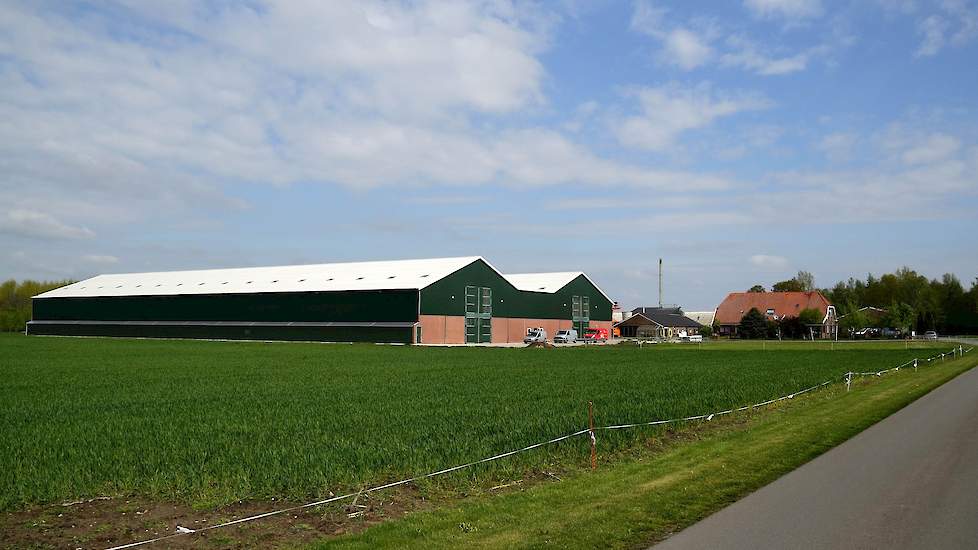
657	322
437	301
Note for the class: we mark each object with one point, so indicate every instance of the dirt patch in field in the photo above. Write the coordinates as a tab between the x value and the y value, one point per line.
105	522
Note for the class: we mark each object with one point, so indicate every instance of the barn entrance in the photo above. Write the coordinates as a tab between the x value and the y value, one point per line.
581	313
478	315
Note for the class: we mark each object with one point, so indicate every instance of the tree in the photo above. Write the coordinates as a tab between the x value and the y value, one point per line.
753	325
853	321
899	316
756	288
15	302
706	331
791	285
810	316
802	282
806	281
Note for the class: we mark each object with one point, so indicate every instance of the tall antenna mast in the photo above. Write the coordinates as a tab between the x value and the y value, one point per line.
660	282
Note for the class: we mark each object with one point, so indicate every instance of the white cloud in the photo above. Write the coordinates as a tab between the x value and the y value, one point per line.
699	41
39	225
932	28
933	148
686	49
683	46
668	111
747	55
788	9
954	22
838	146
764	261
164	121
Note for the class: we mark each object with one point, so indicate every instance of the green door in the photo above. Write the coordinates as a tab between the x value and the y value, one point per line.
478	315
581	313
485	316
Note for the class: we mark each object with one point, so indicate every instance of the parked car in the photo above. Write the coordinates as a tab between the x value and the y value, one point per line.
890	333
596	335
535	335
930	335
565	336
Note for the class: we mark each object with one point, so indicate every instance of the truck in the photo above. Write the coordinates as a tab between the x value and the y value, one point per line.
596	335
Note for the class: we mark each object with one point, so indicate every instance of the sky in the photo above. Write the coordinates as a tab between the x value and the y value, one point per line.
740	141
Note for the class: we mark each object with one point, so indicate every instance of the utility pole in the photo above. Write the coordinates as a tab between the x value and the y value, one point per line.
660	283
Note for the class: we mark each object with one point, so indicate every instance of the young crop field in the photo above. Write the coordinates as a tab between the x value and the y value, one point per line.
210	422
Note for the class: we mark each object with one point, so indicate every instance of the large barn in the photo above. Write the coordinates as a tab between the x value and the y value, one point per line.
435	301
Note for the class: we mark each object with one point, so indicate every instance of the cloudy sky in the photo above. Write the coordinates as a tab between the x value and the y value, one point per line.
741	141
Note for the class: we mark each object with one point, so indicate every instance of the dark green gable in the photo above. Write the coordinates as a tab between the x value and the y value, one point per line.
447	296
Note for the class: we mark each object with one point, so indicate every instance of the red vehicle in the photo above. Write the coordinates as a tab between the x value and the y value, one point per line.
596	335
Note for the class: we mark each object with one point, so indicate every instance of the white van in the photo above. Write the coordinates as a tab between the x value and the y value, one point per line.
565	336
535	335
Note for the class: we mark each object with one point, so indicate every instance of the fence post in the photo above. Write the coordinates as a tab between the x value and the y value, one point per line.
590	422
915	364
848	380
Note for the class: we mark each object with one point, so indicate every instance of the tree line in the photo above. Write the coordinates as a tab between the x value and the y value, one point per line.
911	301
15	301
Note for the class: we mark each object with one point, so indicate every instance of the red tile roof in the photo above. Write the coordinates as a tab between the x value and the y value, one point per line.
784	304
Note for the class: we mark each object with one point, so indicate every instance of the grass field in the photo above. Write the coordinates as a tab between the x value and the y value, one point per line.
636	501
210	422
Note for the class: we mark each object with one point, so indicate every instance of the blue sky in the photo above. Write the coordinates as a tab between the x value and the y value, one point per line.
739	141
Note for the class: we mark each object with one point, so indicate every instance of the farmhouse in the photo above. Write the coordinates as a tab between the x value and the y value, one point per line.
775	306
439	301
657	322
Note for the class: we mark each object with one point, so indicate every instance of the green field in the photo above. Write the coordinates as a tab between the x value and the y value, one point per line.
210	422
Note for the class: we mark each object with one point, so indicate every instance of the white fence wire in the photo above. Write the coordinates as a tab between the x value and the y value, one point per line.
847	378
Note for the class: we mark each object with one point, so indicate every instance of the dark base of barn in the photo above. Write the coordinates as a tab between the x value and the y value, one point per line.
394	333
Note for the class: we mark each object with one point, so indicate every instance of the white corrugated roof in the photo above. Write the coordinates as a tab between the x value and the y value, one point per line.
542	282
702	317
384	275
548	282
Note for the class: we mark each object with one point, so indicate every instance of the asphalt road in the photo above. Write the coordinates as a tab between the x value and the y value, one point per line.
910	481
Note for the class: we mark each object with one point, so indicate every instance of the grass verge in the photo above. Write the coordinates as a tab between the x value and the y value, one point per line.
636	501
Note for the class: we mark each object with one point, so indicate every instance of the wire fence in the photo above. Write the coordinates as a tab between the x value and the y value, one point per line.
847	378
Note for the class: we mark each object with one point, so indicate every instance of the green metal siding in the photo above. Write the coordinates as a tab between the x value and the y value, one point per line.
358	306
289	333
447	296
